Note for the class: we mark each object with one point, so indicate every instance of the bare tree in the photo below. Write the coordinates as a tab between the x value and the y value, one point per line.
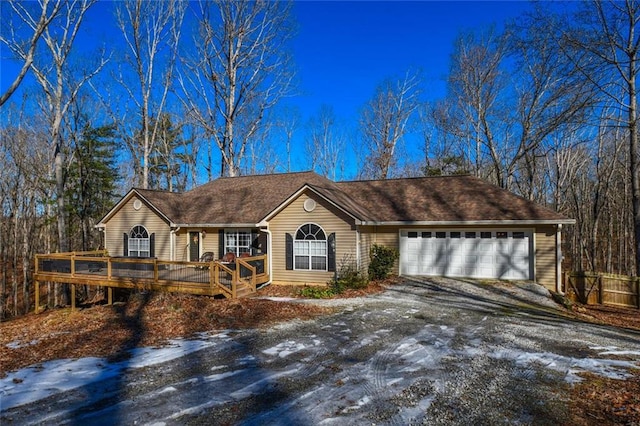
149	29
288	121
10	35
240	70
604	46
474	114
53	73
384	121
325	143
508	95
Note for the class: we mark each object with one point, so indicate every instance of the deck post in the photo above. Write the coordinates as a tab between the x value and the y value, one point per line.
37	284
213	272
109	296
155	270
73	297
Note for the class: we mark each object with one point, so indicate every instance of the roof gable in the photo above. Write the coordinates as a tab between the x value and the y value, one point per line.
157	201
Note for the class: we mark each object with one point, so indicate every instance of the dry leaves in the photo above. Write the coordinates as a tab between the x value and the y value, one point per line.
148	319
151	319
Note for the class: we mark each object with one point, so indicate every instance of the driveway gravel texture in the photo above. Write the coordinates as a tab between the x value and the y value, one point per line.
431	351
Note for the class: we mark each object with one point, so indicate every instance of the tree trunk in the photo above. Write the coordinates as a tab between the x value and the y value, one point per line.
634	165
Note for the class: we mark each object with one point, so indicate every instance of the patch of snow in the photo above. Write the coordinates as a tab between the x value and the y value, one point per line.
284	349
49	378
610	368
357	405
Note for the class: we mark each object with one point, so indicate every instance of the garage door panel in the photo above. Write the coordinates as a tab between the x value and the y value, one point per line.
505	257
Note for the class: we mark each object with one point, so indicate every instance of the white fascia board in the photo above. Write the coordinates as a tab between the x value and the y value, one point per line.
469	222
295	195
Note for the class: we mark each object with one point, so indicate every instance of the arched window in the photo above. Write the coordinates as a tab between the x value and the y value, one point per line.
310	248
139	242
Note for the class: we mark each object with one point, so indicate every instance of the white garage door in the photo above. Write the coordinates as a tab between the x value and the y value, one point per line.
467	253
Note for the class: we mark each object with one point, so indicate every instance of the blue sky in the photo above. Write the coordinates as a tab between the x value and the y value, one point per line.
343	50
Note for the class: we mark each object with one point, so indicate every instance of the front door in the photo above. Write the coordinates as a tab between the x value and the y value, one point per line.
194	246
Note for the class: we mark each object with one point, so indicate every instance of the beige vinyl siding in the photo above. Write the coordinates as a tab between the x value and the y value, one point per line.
326	216
388	236
546	256
128	217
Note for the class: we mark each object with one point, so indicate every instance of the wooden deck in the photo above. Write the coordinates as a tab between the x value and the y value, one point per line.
231	280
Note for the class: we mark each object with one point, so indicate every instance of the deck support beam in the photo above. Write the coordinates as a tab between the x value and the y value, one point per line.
73	297
109	296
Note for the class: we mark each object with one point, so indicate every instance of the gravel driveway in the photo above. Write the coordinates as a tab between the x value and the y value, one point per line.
428	351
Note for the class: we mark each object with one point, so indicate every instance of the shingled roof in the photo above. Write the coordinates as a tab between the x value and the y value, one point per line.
444	199
247	200
232	200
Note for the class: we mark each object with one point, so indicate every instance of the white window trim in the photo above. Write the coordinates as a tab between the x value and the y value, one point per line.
228	233
137	242
310	257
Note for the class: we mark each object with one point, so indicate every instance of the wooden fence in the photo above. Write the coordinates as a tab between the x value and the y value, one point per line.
593	288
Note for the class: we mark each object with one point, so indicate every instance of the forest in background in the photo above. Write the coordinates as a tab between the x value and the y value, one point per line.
546	108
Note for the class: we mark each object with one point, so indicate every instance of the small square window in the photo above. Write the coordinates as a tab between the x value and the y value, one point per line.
454	234
441	235
469	234
413	234
518	235
426	235
485	235
501	234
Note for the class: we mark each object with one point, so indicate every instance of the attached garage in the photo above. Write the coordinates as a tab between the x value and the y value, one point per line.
473	253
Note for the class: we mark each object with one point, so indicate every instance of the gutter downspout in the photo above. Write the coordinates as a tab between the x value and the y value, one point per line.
559	259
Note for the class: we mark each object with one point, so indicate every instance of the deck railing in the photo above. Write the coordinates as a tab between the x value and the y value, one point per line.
96	268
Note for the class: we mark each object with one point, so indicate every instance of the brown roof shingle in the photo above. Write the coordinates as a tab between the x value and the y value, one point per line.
236	200
249	199
443	199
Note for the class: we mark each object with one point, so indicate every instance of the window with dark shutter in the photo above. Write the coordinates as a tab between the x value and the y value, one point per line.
152	245
310	248
289	251
138	242
331	252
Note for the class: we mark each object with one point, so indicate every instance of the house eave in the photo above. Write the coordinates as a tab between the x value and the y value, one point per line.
468	222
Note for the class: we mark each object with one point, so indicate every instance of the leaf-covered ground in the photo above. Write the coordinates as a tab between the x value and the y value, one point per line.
151	319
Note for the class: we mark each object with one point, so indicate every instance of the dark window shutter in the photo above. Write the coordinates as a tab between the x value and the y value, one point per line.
221	243
289	252
331	252
125	239
152	245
